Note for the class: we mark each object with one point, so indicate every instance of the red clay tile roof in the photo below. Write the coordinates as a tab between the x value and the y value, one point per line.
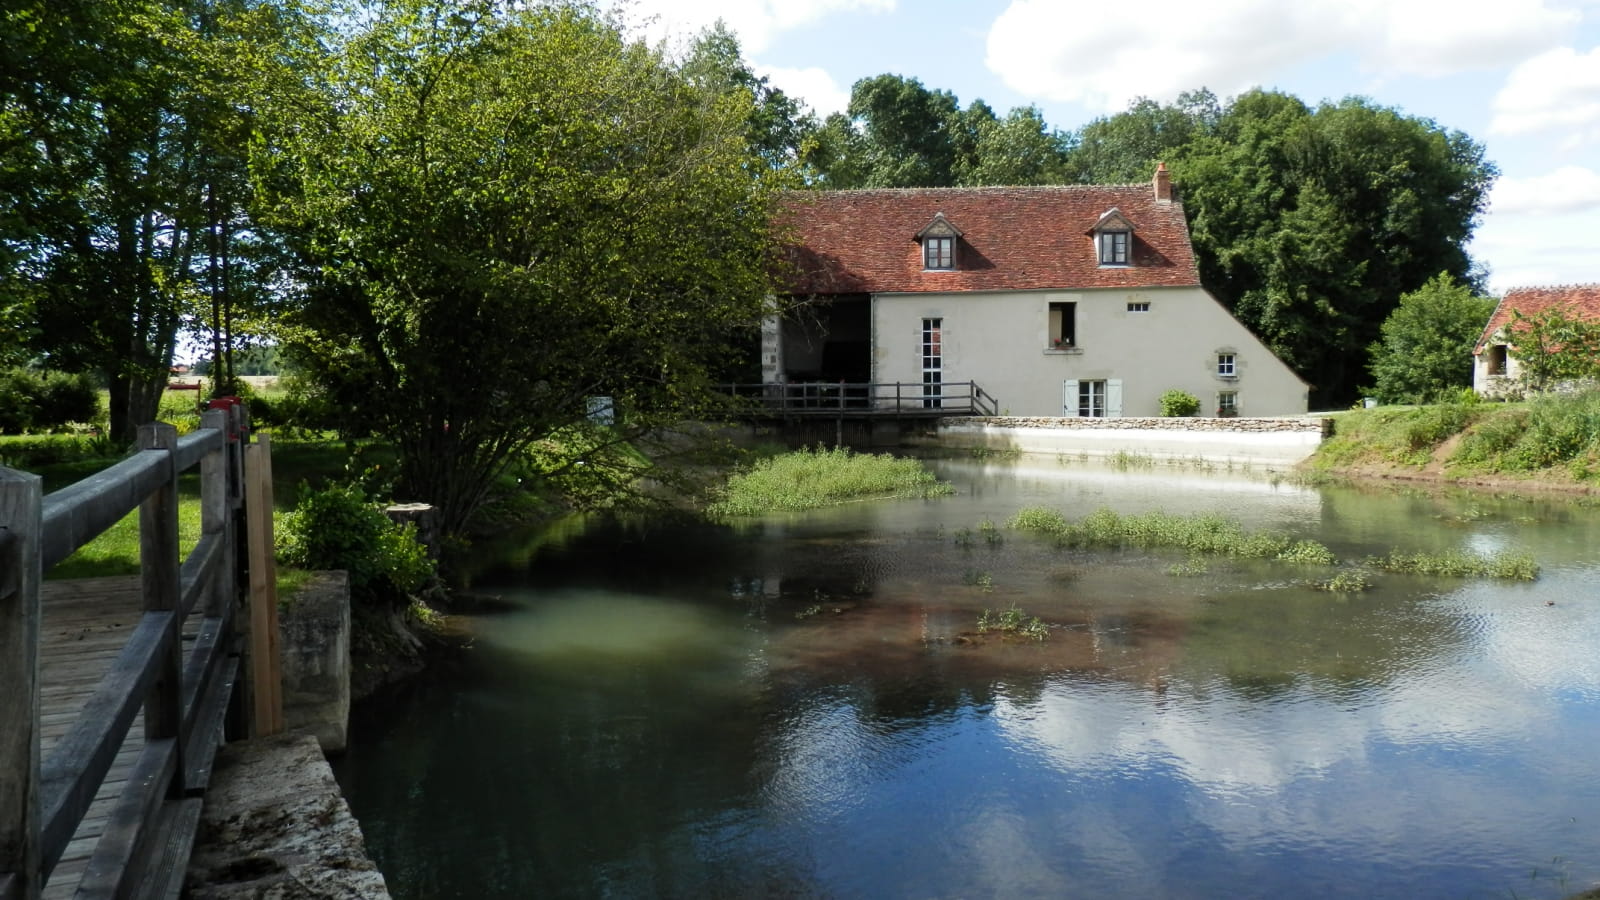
1013	238
1581	301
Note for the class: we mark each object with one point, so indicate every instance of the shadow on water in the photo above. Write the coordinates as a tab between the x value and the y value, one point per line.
803	706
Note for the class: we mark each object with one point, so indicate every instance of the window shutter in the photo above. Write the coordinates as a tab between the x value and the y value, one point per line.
1114	398
1069	397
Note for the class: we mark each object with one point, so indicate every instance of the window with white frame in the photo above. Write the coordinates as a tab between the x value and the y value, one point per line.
932	352
1091	398
1227	365
1228	403
1114	247
1138	306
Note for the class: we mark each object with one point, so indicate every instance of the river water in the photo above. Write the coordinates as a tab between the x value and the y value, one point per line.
800	706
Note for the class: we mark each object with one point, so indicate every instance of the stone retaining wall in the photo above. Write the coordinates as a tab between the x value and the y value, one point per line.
275	826
1275	441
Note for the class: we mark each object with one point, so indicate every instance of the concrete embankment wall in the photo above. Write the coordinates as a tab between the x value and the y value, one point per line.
1282	441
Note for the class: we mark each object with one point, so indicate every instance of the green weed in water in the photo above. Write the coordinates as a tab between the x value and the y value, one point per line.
808	479
1216	535
1352	581
1013	621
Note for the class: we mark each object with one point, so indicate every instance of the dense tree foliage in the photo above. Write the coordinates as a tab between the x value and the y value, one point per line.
1426	349
501	212
121	170
899	133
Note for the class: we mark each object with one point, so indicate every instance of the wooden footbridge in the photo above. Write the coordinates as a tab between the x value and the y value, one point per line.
864	411
115	693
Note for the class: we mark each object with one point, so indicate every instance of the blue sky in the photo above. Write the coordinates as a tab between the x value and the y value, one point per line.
1522	77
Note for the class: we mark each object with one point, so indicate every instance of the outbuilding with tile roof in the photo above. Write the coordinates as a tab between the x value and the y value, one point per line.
1496	371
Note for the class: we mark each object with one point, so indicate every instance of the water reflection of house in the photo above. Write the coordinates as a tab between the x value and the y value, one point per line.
1065	300
1496	370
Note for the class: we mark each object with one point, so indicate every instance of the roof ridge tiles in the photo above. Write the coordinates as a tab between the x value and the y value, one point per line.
1577	286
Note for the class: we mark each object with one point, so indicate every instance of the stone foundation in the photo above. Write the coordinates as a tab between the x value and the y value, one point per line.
1276	441
274	825
314	630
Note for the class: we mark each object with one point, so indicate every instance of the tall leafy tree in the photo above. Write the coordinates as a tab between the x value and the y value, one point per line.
780	127
899	133
1426	348
1310	224
500	211
118	124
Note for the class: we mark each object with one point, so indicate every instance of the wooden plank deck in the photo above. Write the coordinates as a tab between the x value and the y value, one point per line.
85	623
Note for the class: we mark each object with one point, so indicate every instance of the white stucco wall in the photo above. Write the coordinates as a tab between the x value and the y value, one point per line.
1000	340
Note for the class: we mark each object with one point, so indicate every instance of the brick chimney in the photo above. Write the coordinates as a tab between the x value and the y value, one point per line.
1163	183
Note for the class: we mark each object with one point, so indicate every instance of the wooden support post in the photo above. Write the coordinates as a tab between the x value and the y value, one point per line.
215	516
21	507
160	582
266	666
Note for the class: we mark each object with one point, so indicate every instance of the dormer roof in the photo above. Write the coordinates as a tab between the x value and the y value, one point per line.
1111	220
938	226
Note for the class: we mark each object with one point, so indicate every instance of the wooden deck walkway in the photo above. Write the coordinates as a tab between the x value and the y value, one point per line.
85	625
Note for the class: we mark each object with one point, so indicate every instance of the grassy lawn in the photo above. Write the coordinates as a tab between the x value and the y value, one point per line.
116	551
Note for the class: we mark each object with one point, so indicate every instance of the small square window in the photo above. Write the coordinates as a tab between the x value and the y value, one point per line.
1227	366
1138	306
1114	248
938	252
1228	403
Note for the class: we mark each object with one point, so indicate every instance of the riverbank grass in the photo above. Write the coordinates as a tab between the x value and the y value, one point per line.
809	479
1550	437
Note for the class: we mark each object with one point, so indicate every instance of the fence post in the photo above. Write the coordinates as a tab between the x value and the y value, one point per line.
21	511
215	516
266	666
159	577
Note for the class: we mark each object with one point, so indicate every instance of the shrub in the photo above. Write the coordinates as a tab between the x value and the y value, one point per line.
337	527
1176	404
44	401
65	398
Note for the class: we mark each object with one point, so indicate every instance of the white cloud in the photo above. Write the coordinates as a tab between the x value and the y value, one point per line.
815	87
1051	49
1566	190
1556	91
756	22
1523	250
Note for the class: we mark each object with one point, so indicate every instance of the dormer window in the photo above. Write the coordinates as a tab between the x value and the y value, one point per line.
1113	238
1114	248
939	239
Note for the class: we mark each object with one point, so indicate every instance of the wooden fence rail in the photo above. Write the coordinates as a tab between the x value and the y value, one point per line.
183	693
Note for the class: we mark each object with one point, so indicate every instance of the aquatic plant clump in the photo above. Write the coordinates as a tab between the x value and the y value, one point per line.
809	479
1201	534
1211	534
1013	621
1507	565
